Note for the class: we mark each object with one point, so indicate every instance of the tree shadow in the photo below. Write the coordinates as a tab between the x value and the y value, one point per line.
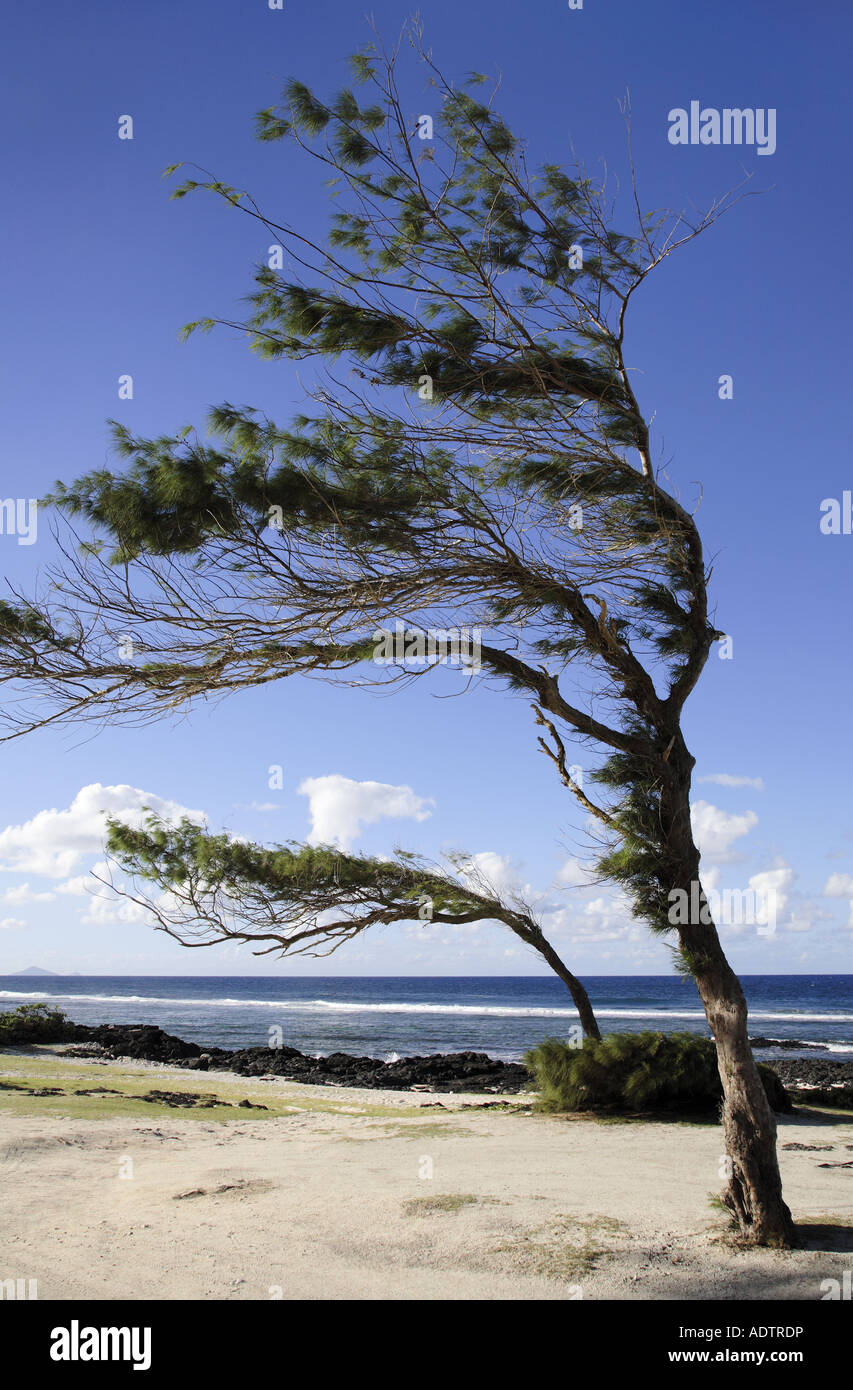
825	1233
804	1115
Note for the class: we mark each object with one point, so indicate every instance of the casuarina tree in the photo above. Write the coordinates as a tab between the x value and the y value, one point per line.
475	457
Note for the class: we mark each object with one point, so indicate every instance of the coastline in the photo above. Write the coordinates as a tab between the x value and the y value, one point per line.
813	1069
334	1192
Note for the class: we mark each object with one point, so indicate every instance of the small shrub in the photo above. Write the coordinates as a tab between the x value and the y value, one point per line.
776	1090
33	1023
636	1071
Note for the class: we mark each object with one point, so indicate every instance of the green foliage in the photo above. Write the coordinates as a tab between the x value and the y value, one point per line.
635	1071
33	1023
454	260
26	624
289	877
413	263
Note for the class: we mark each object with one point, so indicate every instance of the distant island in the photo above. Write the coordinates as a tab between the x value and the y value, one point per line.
37	970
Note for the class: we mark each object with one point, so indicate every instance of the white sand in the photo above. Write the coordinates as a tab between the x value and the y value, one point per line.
314	1204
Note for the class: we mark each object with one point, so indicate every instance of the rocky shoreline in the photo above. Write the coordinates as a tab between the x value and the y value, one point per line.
440	1072
455	1071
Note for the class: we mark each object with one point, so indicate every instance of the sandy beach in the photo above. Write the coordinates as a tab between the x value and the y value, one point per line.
332	1193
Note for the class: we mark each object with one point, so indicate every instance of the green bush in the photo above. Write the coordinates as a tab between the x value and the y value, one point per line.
636	1071
32	1023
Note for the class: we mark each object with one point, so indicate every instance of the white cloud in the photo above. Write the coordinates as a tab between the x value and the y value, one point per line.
491	871
85	884
586	921
106	900
11	923
716	830
773	885
24	894
574	874
596	907
711	879
726	779
75	887
53	842
105	908
840	886
340	806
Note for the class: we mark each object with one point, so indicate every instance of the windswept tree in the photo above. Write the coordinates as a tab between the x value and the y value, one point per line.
478	457
309	899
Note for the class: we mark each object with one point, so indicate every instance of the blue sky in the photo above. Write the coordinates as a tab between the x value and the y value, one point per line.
99	271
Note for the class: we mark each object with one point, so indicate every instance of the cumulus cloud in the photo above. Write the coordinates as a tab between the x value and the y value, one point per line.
711	878
839	886
574	874
774	885
105	909
726	779
11	923
24	894
75	887
84	884
340	807
106	902
54	842
589	920
493	872
716	830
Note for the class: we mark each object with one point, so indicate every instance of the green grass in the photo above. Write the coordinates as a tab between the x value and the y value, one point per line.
35	1072
825	1113
445	1202
427	1129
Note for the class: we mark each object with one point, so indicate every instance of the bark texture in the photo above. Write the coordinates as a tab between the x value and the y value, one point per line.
753	1192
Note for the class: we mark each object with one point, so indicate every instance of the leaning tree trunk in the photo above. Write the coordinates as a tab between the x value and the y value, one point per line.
532	935
754	1189
579	995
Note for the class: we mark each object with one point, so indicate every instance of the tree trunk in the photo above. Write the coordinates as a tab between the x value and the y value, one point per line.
574	986
754	1190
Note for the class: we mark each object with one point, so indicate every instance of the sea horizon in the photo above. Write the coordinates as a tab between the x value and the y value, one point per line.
391	1016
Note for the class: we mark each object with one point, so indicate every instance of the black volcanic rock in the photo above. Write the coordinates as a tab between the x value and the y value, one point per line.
140	1041
452	1071
439	1072
811	1071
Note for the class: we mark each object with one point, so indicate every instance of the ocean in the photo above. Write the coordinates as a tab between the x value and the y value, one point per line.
398	1016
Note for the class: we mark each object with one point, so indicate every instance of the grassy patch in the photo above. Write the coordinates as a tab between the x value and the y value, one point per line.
718	1206
444	1202
411	1129
824	1114
641	1117
73	1107
566	1249
116	1092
